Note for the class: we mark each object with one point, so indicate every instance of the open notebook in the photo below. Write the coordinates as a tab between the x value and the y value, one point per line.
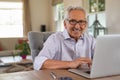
106	59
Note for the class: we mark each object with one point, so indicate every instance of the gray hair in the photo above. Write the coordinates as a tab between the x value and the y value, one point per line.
70	8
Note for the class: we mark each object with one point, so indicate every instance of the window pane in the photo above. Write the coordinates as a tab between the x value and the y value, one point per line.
59	11
11	19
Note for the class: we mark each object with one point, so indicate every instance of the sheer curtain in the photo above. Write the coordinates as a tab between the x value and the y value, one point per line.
26	17
58	8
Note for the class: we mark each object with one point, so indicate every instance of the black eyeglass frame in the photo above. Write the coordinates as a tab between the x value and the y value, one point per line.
74	22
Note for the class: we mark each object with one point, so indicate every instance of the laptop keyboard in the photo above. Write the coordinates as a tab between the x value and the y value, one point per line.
88	72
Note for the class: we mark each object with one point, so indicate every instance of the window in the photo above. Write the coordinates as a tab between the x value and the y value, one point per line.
59	17
11	19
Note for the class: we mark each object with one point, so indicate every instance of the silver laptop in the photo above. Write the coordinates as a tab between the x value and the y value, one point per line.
106	59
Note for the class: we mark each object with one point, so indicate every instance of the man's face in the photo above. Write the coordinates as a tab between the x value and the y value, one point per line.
76	23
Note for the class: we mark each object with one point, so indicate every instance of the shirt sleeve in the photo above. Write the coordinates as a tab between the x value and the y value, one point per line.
48	52
38	62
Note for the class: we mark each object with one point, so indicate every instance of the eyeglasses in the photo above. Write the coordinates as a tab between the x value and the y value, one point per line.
74	22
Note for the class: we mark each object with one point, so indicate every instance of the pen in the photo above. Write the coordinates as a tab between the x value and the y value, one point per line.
53	75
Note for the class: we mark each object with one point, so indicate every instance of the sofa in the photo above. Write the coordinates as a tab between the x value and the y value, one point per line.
7	46
36	41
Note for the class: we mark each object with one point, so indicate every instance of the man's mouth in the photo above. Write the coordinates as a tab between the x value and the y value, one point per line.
76	30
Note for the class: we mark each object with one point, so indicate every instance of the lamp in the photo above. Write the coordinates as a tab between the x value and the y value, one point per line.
97	28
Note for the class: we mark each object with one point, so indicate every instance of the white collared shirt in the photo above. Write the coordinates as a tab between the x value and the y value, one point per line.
59	46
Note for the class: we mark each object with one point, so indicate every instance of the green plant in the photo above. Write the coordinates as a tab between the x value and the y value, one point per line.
24	47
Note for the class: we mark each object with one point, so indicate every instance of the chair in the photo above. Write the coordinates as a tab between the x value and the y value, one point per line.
36	40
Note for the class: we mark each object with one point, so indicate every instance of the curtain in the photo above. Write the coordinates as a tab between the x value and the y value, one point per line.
55	2
26	18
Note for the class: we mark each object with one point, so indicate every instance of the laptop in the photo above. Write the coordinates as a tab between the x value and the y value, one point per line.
106	59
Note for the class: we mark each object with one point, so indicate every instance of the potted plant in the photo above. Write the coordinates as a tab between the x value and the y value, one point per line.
24	48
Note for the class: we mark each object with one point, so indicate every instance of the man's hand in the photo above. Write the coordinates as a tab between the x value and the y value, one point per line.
56	64
79	61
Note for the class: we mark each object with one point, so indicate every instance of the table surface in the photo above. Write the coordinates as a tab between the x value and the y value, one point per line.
45	75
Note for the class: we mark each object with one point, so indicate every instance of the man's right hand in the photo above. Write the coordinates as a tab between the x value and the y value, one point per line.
79	61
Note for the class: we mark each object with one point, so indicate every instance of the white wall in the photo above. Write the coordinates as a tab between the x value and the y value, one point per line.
113	16
40	13
72	3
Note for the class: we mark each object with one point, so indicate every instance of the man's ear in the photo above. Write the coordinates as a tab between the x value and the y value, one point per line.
65	24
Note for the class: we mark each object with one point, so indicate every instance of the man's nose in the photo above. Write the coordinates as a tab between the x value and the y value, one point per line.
77	25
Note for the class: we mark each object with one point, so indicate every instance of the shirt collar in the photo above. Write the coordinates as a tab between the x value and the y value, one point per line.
67	36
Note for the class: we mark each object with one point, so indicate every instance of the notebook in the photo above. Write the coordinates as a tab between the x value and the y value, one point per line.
106	59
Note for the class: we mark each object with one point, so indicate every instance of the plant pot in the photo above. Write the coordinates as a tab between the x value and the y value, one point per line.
24	56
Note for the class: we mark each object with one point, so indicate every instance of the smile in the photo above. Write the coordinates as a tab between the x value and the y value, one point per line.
76	30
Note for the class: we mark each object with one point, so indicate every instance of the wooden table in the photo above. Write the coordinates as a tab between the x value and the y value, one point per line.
45	75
